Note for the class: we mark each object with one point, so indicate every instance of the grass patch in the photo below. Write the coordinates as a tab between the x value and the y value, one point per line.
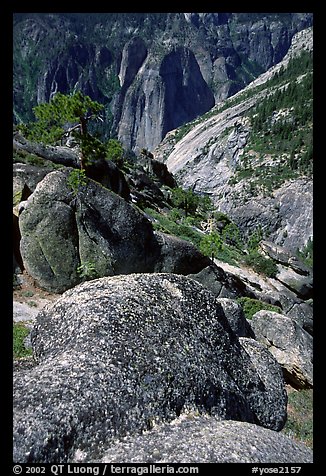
260	264
27	293
299	425
166	223
251	306
20	332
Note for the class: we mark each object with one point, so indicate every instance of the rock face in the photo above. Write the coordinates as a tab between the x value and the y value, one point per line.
178	256
289	343
287	214
154	71
214	151
25	179
172	83
202	439
102	170
60	232
117	354
95	229
222	284
227	281
236	317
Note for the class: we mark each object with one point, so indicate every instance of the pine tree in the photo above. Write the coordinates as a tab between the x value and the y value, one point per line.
62	116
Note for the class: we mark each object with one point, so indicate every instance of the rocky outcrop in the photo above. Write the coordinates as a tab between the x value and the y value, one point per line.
178	256
143	189
100	169
93	233
163	347
202	439
287	213
225	280
222	284
290	345
25	179
60	232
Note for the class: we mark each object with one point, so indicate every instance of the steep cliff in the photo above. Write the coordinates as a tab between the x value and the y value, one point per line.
253	153
153	71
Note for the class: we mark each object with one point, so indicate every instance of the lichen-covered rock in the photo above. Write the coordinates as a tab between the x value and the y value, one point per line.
62	230
194	439
291	345
266	366
117	354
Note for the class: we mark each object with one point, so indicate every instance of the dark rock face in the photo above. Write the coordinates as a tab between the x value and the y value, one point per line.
221	283
207	440
117	354
178	256
236	318
186	93
133	56
291	345
62	231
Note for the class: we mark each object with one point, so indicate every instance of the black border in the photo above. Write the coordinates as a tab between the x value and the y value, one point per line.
6	194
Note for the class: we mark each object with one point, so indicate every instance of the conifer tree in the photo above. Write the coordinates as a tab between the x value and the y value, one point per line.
64	115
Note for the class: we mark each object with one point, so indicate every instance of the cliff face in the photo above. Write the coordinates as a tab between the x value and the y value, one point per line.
159	98
259	176
153	72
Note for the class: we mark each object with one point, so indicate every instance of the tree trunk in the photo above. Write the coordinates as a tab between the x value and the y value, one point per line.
83	131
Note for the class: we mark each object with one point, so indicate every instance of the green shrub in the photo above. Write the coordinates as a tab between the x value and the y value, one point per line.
20	332
115	151
87	270
299	425
76	179
306	254
251	306
261	264
211	244
27	293
168	223
186	200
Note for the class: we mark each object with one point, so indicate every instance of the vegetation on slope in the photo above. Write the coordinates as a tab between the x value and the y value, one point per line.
280	144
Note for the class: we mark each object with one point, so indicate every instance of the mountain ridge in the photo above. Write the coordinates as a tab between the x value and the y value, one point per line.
64	52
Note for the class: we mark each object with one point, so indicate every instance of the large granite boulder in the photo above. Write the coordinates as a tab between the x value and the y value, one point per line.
202	439
291	345
118	354
178	256
94	231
